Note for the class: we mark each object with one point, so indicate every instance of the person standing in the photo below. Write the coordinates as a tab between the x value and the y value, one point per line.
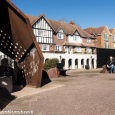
111	64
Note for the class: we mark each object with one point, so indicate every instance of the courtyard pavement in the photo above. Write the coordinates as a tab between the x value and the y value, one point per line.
80	93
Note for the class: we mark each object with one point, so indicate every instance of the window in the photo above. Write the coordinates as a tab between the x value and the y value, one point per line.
105	36
113	38
78	49
71	49
45	47
88	50
42	33
60	35
106	45
88	40
75	38
58	48
66	49
113	45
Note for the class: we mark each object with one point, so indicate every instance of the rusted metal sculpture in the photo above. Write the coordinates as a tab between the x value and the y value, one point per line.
17	40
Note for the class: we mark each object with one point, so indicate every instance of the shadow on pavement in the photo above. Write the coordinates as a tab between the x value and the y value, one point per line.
5	98
45	78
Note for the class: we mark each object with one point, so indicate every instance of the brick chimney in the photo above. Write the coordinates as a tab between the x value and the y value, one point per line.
42	15
72	22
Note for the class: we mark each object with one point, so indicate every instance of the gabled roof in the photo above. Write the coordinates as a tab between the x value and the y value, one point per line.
111	30
68	28
62	29
96	31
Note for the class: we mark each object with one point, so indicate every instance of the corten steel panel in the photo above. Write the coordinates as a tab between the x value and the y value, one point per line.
17	40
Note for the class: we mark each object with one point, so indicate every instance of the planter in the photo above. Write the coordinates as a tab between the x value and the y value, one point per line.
53	73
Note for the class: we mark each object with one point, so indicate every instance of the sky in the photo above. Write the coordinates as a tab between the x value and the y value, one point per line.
85	13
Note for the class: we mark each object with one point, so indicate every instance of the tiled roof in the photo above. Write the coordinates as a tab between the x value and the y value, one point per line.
96	31
32	18
88	45
72	44
68	28
111	30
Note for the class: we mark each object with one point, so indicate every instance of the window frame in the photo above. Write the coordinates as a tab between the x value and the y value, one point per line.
113	45
61	35
107	45
88	40
106	36
60	48
88	49
75	38
47	47
78	48
113	38
43	32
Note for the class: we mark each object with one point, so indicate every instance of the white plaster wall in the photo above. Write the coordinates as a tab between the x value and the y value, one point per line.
71	39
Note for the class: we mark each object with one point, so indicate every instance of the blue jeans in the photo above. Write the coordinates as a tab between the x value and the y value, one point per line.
112	68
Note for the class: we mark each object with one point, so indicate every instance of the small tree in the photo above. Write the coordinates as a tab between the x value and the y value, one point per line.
60	58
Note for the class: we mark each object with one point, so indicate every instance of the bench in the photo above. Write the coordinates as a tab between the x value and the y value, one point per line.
62	72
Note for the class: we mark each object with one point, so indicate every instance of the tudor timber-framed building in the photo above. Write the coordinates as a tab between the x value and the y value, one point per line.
76	47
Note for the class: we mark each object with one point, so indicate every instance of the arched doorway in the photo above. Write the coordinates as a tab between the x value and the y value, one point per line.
92	63
63	61
76	63
4	62
82	63
87	62
46	60
70	63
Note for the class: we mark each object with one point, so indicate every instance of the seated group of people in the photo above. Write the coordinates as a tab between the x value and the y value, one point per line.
111	65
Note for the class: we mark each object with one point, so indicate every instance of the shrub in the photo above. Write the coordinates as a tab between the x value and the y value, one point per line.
104	66
51	63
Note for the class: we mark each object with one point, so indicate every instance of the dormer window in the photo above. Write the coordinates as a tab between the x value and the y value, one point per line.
88	40
60	35
75	38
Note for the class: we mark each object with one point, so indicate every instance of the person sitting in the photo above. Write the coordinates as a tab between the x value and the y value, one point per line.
110	64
